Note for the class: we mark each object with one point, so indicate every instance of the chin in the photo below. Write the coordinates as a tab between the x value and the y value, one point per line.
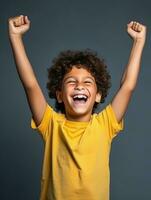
81	111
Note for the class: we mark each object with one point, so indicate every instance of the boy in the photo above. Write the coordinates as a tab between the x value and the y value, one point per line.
77	141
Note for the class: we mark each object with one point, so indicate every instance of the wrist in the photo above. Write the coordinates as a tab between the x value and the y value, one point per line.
14	36
139	41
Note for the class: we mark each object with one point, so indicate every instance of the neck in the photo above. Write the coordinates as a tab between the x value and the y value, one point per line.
79	118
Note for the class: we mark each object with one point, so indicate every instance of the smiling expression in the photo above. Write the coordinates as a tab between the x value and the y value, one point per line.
78	93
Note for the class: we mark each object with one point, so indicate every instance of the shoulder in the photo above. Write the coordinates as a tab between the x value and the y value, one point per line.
49	115
108	118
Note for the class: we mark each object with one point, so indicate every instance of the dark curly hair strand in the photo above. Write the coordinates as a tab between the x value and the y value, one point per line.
87	59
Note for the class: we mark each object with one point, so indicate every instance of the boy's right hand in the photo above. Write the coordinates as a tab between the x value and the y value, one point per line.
18	25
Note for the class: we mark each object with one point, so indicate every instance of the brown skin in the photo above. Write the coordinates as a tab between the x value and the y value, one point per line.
37	103
122	98
78	81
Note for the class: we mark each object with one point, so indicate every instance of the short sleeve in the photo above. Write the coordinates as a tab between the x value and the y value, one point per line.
44	125
108	118
117	126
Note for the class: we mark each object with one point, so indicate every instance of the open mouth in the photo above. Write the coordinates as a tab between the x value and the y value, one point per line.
80	98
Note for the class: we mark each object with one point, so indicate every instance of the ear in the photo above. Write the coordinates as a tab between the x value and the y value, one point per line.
59	96
98	98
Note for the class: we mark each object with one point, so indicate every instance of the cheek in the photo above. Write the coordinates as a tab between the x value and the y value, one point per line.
93	93
66	90
92	90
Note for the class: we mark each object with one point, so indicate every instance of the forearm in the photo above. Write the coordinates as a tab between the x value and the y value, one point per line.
23	65
131	73
17	27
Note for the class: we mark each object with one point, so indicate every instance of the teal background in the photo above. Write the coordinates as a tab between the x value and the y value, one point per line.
67	24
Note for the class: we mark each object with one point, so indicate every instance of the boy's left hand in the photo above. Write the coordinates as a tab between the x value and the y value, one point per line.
137	31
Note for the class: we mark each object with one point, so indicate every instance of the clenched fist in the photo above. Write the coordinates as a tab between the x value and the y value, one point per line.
18	25
137	31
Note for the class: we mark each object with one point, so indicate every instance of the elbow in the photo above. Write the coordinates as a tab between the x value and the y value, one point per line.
30	85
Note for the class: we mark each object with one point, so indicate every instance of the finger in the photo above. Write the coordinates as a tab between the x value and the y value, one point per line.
12	20
140	28
130	24
137	26
26	20
134	25
17	21
22	19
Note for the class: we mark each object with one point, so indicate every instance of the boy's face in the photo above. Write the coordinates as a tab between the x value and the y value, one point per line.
78	93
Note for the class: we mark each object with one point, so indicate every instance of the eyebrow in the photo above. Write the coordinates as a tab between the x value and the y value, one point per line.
87	77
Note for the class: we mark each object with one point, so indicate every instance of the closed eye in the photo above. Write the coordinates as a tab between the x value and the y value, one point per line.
71	81
88	82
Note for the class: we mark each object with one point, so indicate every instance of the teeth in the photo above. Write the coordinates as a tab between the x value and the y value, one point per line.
80	96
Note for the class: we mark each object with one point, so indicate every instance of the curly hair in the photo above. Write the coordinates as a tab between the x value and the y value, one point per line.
87	59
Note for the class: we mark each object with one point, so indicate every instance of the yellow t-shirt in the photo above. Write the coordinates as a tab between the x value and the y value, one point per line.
76	156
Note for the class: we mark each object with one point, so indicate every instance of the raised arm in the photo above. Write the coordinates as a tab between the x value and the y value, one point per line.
120	102
37	103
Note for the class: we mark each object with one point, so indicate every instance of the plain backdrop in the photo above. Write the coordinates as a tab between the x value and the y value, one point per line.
67	24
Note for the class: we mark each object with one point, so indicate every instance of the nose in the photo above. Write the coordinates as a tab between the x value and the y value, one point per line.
79	86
